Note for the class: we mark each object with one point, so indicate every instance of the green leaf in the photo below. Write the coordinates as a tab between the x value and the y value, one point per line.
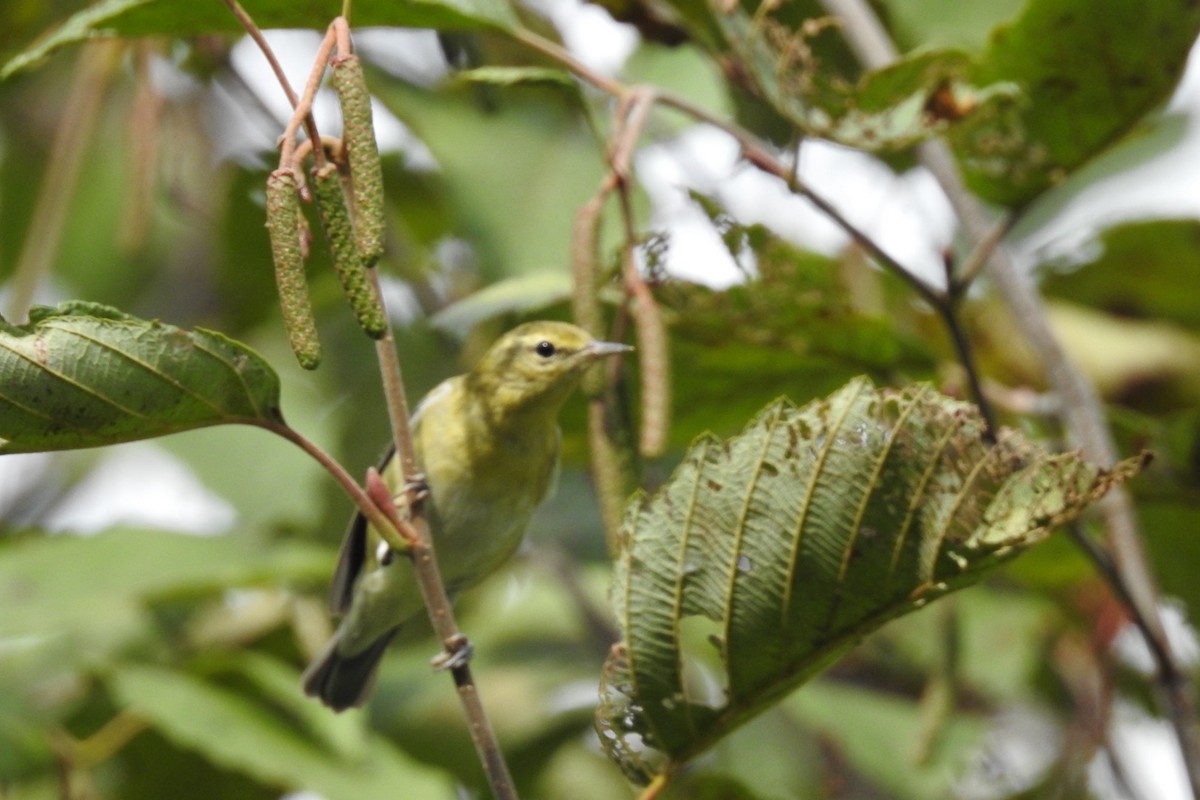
84	375
1164	255
186	19
1086	79
236	733
517	76
947	23
784	545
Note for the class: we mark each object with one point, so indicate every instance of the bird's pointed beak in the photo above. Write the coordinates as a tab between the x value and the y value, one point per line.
598	350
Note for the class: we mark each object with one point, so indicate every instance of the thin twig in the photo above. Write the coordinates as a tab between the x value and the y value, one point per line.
761	157
980	255
1082	412
302	114
948	311
122	728
396	536
429	577
409	535
256	34
654	360
942	303
564	57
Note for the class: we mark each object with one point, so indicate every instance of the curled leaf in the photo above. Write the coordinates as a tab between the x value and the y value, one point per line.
768	555
84	375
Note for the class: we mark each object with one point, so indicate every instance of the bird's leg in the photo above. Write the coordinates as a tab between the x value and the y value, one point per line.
416	490
458	653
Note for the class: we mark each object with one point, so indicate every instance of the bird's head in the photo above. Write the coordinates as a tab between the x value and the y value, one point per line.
535	366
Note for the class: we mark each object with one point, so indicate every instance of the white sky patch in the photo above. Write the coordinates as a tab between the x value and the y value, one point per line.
590	33
1150	758
20	472
140	485
1018	749
413	55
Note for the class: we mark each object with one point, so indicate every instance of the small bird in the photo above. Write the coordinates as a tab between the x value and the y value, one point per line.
487	444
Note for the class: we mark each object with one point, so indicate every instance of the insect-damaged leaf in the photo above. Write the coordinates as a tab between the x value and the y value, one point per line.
83	375
789	542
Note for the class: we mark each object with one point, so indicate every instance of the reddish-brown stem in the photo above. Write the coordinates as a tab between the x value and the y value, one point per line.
411	536
255	33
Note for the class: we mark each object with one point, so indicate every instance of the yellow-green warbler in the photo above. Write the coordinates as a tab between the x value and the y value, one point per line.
487	443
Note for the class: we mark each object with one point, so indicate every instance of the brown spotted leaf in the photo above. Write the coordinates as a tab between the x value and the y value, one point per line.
767	555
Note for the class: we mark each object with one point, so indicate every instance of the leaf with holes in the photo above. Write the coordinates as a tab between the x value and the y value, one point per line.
84	375
767	555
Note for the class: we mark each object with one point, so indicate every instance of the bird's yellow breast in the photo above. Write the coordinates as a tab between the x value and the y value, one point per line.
485	483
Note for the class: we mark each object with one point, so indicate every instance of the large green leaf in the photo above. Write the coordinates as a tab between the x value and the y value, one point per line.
947	23
236	733
187	18
789	542
84	375
1086	75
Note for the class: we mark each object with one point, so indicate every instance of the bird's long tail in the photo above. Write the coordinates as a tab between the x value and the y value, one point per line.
342	681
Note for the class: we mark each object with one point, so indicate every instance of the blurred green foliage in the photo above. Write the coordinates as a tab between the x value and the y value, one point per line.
139	663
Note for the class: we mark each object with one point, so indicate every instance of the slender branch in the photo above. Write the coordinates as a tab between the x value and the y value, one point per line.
564	57
433	589
102	745
948	311
761	157
398	536
302	115
412	535
394	396
1105	565
944	304
980	255
654	362
1082	412
607	464
256	34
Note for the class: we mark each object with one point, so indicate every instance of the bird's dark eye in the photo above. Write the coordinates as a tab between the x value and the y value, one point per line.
544	349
